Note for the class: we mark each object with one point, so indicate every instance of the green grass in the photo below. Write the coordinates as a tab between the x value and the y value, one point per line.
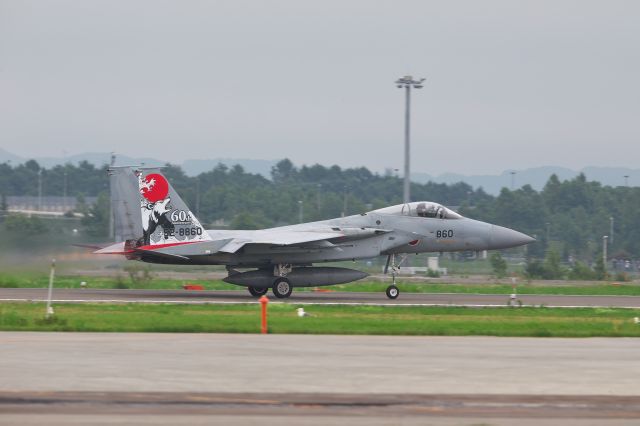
491	288
35	280
122	280
547	322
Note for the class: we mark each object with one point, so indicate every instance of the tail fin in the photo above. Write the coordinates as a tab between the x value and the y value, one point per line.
148	211
125	204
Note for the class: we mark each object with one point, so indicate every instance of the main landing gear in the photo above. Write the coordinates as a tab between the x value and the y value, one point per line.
281	286
392	291
258	291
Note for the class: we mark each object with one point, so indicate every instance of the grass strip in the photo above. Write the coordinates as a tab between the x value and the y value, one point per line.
491	288
600	289
363	320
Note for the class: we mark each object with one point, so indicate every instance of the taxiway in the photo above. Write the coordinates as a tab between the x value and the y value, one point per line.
300	297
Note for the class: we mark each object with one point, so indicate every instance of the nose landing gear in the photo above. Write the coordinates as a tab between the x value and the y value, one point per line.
392	291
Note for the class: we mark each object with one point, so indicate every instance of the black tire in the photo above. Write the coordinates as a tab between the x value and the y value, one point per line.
282	288
392	292
258	291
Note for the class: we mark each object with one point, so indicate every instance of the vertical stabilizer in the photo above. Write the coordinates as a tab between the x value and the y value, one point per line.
165	218
125	203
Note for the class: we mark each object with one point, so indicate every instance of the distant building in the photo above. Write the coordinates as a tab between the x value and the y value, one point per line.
49	203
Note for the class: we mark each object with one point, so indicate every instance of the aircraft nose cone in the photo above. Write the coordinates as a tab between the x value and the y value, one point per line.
502	238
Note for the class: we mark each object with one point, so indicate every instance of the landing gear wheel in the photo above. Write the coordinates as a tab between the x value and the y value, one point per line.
282	288
258	291
393	292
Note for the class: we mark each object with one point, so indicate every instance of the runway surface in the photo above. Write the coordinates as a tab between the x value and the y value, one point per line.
346	298
279	409
277	379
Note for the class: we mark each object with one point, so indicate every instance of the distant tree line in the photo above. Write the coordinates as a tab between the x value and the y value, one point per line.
569	217
23	179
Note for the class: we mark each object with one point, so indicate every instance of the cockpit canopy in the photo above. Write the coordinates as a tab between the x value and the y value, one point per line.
420	209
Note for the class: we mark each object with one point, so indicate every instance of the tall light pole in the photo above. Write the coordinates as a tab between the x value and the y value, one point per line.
513	179
344	202
299	211
604	251
626	180
407	82
64	189
548	230
64	184
111	213
319	200
39	189
611	228
198	195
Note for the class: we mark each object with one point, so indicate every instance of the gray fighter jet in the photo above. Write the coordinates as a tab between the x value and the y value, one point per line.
154	225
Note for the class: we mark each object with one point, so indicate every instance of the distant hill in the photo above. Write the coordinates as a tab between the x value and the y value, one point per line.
95	158
262	167
536	177
7	157
191	167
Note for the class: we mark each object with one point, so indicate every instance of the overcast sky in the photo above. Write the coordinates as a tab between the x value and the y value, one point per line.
510	84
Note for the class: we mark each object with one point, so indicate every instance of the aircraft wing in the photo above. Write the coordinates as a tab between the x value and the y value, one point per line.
279	238
233	241
325	238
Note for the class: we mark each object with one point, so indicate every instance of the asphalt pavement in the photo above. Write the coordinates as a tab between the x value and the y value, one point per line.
137	378
168	379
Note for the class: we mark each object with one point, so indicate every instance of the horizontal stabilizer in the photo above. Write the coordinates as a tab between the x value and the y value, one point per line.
92	246
156	253
117	248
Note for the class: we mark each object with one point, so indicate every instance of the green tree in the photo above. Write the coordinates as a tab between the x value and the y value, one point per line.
552	267
534	269
25	225
569	216
81	205
581	271
245	221
283	171
96	219
499	265
600	269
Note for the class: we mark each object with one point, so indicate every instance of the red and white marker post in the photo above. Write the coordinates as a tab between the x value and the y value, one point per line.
264	300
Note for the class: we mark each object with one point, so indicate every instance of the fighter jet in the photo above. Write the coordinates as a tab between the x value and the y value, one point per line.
155	225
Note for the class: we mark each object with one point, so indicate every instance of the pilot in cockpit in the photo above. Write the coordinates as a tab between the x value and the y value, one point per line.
429	210
421	209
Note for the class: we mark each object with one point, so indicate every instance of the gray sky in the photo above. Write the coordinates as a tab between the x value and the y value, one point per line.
510	84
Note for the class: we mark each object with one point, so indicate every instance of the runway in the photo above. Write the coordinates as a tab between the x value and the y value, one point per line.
284	408
63	378
302	298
